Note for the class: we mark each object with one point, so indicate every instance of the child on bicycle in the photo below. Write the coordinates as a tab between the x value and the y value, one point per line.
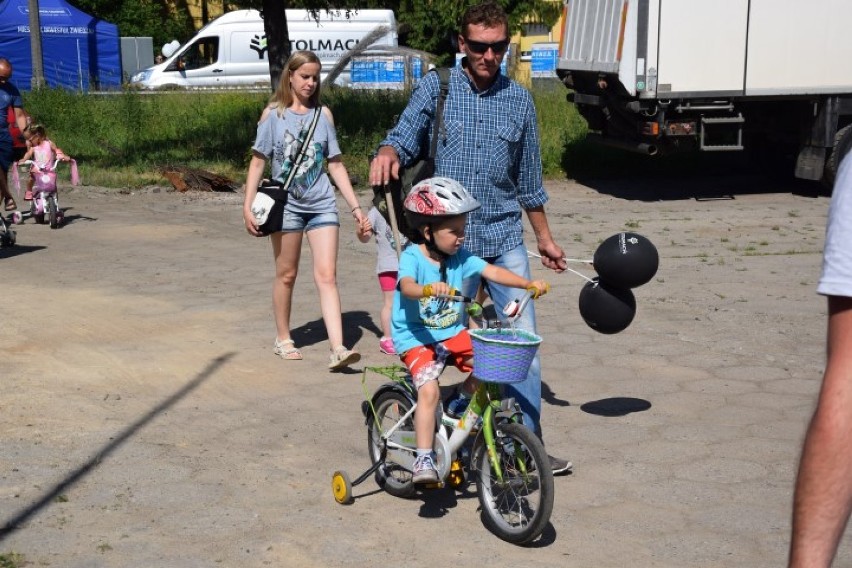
43	152
428	330
387	264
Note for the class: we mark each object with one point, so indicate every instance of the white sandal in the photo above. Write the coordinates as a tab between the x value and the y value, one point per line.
287	350
342	357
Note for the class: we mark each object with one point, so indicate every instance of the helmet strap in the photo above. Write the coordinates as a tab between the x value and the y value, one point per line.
433	248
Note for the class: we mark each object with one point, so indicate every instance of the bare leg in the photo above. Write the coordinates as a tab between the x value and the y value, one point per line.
323	243
424	414
4	187
286	248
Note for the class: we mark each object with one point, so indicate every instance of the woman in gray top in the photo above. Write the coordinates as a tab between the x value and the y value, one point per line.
311	207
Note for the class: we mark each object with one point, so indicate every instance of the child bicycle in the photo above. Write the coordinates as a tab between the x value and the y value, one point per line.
8	237
512	472
44	206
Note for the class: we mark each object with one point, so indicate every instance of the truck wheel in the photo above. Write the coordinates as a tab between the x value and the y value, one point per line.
842	145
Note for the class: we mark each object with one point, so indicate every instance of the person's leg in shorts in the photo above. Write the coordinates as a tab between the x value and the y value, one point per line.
5	161
387	283
322	231
286	250
426	363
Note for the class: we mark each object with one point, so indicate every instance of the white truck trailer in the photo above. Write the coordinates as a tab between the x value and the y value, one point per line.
773	77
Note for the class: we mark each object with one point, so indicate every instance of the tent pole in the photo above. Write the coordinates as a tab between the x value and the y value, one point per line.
79	66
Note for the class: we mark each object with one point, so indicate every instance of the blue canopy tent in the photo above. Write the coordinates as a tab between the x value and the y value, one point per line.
79	51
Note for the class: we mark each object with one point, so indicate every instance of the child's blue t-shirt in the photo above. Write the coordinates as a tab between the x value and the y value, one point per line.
425	321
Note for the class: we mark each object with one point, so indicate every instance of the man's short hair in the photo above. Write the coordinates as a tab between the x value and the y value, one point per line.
488	14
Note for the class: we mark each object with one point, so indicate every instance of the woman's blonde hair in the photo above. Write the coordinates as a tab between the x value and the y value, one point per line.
283	96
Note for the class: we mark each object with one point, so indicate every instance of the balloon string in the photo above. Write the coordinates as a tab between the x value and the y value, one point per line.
580	274
579	260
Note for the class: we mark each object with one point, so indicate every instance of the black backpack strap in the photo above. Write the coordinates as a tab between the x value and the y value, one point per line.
438	124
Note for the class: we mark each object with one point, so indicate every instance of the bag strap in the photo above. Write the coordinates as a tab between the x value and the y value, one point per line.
303	148
438	124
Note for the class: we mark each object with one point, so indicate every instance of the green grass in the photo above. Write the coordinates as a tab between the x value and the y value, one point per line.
123	139
12	560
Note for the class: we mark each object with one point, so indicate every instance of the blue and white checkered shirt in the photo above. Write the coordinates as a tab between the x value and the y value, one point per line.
489	144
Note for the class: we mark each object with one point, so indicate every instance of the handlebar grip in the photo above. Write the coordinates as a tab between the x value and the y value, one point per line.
455	297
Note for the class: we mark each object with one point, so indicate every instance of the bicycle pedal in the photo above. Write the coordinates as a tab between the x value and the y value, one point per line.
439	485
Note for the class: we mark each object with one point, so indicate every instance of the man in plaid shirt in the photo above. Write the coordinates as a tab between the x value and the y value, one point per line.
489	143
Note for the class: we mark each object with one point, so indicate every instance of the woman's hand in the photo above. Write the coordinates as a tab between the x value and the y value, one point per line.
251	223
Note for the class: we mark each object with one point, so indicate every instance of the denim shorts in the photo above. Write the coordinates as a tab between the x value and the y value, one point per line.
298	222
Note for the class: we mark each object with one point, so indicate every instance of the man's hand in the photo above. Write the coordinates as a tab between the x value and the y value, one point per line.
384	167
552	256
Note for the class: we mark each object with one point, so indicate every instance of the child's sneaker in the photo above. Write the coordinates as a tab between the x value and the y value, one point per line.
343	357
424	470
386	346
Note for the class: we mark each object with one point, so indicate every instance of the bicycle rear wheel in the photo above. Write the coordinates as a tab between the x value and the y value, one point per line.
518	508
392	477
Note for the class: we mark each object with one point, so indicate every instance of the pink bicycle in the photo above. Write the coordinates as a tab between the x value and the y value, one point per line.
44	207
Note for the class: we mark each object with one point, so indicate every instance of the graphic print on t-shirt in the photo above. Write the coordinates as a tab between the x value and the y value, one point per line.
309	168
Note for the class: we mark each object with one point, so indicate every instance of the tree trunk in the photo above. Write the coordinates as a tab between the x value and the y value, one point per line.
277	37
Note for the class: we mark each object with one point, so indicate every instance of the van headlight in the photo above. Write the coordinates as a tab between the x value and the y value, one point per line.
141	77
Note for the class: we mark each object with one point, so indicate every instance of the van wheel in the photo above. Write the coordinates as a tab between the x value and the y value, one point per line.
842	145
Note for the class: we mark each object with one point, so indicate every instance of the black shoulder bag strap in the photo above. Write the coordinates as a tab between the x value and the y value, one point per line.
303	148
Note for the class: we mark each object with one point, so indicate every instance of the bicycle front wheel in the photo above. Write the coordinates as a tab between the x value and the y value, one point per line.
52	213
517	507
392	477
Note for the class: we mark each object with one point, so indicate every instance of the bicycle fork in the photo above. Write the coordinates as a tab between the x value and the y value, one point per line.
483	405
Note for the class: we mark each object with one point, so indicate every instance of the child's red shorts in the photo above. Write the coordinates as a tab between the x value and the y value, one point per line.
427	362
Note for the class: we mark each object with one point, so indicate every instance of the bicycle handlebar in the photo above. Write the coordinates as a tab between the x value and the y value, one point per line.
32	164
512	310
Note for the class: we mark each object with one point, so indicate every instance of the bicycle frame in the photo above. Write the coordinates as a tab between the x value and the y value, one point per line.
486	403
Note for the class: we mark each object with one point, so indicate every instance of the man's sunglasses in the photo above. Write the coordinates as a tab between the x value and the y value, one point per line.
481	47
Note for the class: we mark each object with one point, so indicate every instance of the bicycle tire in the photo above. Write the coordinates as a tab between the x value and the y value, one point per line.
519	509
51	213
391	477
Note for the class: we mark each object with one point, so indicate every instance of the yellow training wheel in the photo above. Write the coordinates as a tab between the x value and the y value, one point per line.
341	487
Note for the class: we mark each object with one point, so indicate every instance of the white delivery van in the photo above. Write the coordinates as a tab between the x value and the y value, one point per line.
231	50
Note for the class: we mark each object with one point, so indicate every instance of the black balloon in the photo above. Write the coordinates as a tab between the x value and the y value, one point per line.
626	260
605	308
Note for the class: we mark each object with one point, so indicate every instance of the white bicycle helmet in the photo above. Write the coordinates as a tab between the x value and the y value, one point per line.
439	197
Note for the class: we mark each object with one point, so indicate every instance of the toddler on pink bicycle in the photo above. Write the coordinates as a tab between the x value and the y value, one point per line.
43	156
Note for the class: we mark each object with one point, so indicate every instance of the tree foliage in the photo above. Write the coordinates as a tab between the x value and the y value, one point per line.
427	25
159	19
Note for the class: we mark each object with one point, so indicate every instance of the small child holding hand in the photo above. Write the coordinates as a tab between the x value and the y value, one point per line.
387	264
